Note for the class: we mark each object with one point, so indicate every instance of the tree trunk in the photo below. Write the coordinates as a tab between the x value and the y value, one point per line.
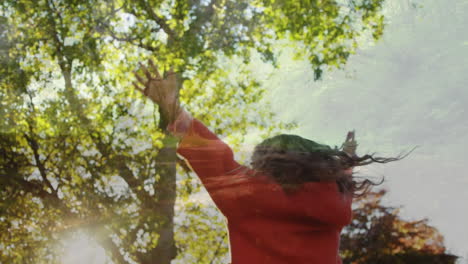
165	189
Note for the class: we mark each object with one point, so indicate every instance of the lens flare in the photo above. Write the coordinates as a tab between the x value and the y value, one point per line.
81	249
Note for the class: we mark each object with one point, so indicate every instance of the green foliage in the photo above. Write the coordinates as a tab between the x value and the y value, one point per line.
80	151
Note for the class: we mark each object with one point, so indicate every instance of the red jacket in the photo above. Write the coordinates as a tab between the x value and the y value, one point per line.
265	224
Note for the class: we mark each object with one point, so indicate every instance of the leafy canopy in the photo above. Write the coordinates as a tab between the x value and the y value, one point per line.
81	152
377	234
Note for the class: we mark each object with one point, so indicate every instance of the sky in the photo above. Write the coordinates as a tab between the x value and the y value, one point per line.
408	89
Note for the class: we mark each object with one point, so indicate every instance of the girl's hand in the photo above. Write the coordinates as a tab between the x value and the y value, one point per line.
350	144
162	91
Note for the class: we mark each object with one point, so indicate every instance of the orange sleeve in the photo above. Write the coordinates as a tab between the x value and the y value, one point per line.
206	154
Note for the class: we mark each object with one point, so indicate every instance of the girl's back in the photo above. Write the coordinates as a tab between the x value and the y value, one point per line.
267	225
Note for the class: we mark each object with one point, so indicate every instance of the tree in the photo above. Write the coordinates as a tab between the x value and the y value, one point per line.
377	234
81	152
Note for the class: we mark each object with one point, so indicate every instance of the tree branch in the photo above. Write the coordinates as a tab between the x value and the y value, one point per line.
42	170
202	16
159	20
215	254
35	148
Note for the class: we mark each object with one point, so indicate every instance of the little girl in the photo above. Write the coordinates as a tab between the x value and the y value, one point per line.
289	206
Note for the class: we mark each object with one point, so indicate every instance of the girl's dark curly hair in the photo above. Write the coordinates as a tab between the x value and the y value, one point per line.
292	160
